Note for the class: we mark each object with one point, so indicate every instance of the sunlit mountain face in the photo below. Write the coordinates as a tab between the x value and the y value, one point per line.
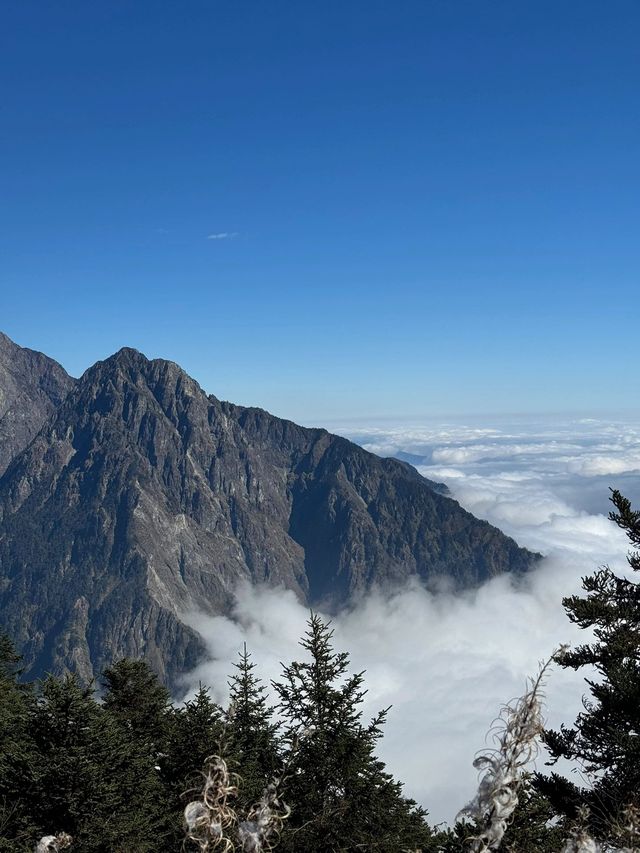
142	498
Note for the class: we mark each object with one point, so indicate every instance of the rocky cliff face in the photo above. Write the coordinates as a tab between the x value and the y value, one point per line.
32	386
142	498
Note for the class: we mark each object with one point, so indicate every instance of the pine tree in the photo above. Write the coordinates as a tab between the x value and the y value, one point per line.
532	827
63	725
136	698
195	731
137	704
605	738
128	808
340	795
17	750
95	779
250	732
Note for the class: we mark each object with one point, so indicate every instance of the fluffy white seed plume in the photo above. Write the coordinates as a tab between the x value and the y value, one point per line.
581	843
53	843
210	820
207	819
260	832
516	735
627	829
579	840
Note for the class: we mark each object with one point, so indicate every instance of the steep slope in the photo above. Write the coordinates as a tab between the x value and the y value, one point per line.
32	386
142	498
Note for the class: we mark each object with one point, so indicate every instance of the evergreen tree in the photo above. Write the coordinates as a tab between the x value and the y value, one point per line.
17	750
138	705
63	726
605	738
95	780
136	698
128	808
250	732
195	732
340	795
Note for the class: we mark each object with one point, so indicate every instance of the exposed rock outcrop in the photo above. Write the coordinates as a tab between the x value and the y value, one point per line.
142	498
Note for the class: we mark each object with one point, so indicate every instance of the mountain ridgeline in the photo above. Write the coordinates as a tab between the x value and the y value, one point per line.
32	386
141	499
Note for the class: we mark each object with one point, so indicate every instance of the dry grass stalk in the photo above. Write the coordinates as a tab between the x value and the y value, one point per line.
516	734
579	840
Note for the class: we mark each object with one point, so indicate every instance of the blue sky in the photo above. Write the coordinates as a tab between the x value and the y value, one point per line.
430	208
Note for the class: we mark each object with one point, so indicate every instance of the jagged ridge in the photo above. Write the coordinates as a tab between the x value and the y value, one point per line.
142	498
32	386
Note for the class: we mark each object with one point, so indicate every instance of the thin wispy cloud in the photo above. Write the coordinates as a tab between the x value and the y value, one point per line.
222	235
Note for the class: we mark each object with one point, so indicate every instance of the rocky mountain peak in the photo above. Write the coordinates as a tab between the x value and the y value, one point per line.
32	386
142	499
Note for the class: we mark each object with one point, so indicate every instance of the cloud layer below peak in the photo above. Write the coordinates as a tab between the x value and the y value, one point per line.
448	662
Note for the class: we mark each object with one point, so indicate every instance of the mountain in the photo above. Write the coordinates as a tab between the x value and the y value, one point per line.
142	499
32	386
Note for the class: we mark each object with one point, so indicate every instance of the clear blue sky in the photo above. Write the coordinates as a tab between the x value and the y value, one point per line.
429	207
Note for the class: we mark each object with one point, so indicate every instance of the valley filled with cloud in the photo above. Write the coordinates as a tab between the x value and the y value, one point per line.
447	661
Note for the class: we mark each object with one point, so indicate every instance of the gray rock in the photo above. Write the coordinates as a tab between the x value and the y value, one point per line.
142	499
32	386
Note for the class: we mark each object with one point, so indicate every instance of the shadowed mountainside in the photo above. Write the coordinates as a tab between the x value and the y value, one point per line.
143	498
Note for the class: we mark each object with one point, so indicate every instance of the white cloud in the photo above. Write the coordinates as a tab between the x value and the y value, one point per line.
222	235
598	465
447	662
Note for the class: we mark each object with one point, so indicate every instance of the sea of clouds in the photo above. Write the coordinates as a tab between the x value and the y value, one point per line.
446	662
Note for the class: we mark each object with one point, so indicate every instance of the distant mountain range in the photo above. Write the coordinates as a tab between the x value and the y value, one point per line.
130	497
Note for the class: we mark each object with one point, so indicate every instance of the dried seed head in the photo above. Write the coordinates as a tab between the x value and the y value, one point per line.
54	843
516	734
261	830
581	842
206	820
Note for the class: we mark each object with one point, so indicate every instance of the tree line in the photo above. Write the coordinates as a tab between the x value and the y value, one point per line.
118	767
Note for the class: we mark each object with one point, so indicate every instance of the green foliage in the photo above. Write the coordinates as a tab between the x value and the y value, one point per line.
135	697
340	795
94	780
605	738
18	758
195	731
138	709
533	825
116	774
250	734
64	724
